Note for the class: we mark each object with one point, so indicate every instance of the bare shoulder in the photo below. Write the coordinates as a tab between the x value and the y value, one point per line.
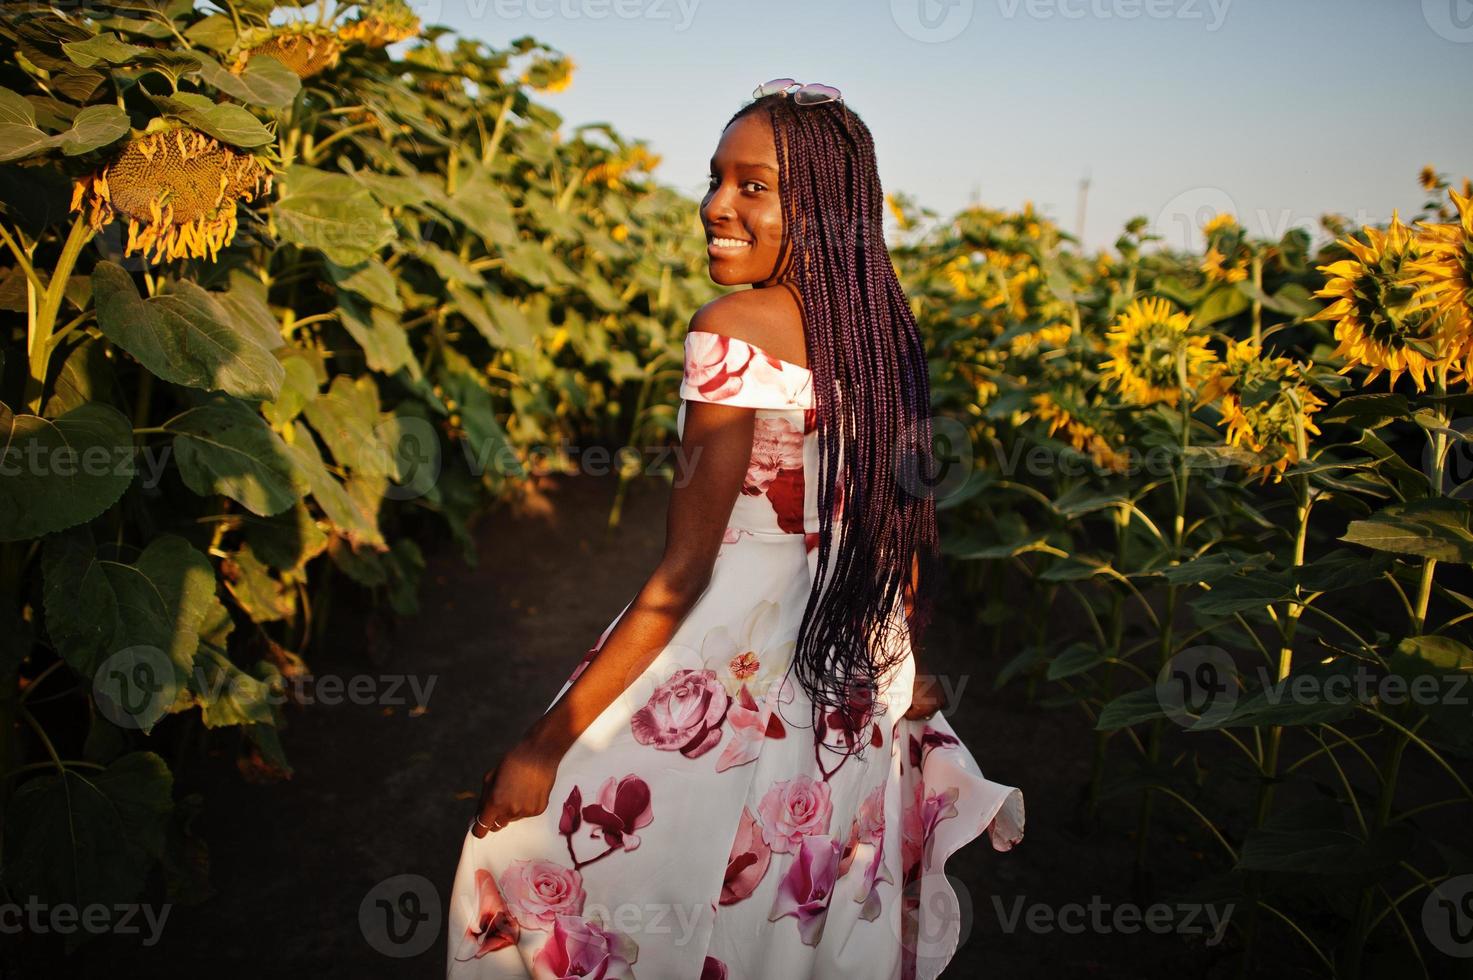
768	317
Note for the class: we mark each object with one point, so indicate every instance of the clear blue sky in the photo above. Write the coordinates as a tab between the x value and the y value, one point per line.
1277	110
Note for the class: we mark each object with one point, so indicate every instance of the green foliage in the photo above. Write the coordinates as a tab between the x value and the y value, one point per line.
1133	554
438	283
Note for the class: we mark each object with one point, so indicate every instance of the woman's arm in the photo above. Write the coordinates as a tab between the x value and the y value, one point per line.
710	469
925	698
715	449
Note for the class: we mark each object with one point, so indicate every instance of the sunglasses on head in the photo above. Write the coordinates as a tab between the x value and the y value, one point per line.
810	94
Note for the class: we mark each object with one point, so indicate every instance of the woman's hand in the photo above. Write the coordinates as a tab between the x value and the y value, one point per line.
518	786
925	698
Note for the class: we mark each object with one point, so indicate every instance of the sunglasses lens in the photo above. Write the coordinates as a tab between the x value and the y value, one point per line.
814	94
773	87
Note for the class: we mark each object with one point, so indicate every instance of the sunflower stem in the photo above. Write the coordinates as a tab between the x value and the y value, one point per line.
1168	616
1257	292
38	342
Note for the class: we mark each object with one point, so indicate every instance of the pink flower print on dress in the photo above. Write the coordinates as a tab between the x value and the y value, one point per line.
918	824
714	365
623	807
684	713
748	861
776	445
537	891
748	729
582	949
871	817
869	889
794	809
493	927
808	885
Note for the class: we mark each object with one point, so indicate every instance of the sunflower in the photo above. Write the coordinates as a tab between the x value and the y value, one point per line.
1269	429
1220	222
1146	345
550	75
897	209
1428	178
178	188
955	272
1212	266
611	172
1445	275
1084	437
1380	322
381	24
1264	403
305	48
1053	336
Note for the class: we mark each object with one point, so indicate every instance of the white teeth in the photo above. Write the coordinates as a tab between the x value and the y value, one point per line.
728	242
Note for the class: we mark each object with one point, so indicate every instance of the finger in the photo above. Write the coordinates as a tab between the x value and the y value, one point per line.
488	820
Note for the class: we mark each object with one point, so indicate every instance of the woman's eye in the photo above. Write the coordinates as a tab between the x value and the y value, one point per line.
753	183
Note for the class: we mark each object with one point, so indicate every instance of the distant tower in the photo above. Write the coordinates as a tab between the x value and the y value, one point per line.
1079	213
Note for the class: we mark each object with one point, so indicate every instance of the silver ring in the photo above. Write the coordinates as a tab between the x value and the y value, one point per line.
482	823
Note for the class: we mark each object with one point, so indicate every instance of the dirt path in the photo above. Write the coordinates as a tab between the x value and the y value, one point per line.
375	794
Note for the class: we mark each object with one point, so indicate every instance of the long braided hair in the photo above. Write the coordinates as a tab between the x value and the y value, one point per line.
873	403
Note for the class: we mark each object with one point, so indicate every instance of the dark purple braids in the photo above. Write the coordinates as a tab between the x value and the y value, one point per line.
862	341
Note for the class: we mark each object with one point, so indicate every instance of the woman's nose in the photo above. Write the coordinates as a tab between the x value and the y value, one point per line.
717	206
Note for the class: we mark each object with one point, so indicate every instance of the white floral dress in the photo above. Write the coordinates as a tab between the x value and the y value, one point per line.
697	829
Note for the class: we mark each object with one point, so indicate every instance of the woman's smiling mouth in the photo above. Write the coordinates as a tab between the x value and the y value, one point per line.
717	245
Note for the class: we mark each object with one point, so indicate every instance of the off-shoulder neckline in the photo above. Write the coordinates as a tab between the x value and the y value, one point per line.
755	347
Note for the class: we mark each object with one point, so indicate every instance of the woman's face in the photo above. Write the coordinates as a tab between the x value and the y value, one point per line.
741	211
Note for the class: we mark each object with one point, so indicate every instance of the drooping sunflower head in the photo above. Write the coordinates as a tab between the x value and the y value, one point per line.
1061	412
1444	274
611	172
1269	429
1380	321
1212	265
305	48
381	24
1239	359
178	188
1260	397
1051	337
1219	223
957	273
897	210
549	74
1153	352
1427	177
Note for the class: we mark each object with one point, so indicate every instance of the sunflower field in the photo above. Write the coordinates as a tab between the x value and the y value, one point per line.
1232	491
286	293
